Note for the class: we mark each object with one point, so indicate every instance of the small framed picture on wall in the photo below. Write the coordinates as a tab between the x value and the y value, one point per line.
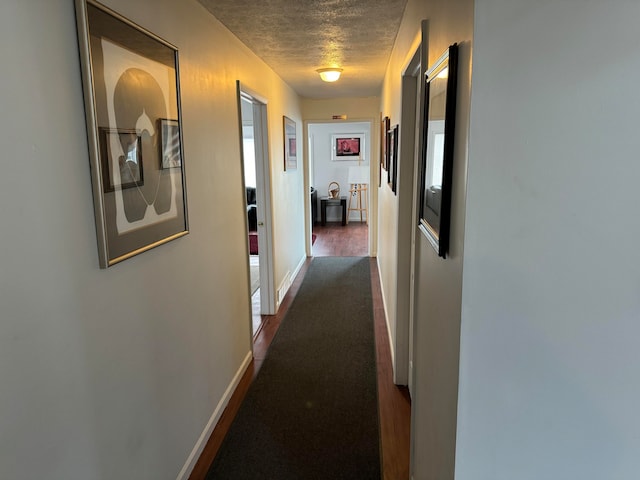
290	145
347	147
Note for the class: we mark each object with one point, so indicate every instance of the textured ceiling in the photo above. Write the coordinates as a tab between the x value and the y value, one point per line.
296	37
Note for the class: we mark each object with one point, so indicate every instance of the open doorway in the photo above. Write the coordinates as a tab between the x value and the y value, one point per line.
253	118
340	156
250	185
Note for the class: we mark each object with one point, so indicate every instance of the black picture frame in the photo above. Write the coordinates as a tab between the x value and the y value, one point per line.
389	159
348	147
392	169
392	172
394	149
131	87
438	149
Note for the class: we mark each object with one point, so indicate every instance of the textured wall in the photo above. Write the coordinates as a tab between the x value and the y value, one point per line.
297	37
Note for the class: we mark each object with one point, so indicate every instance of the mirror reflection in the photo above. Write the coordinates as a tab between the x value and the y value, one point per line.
435	147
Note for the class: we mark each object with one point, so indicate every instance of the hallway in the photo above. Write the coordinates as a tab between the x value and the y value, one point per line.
332	240
393	401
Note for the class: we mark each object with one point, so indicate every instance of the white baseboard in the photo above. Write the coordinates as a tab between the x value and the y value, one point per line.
297	270
222	404
386	320
284	287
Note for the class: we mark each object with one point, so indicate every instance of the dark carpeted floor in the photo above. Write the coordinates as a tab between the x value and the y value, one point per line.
312	411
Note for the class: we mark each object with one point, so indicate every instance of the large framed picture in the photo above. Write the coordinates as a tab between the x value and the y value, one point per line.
290	144
437	157
132	102
347	147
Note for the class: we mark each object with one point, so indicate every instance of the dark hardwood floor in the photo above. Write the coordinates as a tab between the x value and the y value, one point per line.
335	240
394	402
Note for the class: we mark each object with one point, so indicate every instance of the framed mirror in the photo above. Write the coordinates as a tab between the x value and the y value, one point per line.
437	154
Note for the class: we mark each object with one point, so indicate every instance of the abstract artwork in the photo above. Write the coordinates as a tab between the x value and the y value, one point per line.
132	103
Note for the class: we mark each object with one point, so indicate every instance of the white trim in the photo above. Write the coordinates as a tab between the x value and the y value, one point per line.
386	320
372	229
288	280
409	161
297	270
265	210
251	93
268	300
204	437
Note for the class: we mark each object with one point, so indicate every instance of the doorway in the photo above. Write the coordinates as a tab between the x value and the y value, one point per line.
255	158
339	165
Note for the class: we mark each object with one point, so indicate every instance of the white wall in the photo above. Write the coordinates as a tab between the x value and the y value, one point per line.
549	384
438	282
388	206
326	170
110	374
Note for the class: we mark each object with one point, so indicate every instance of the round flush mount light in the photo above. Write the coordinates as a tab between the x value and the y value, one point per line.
329	74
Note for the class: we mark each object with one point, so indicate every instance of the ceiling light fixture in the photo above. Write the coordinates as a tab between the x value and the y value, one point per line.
329	74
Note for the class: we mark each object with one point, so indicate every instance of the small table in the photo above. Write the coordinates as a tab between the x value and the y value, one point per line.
333	202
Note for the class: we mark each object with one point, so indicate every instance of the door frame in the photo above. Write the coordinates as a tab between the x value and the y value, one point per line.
410	154
263	195
372	205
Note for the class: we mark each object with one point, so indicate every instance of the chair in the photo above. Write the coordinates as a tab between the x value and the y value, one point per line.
252	209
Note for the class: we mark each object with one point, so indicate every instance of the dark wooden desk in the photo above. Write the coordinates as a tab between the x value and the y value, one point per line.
333	202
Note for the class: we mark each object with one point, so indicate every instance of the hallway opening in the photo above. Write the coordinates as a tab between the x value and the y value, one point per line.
339	164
